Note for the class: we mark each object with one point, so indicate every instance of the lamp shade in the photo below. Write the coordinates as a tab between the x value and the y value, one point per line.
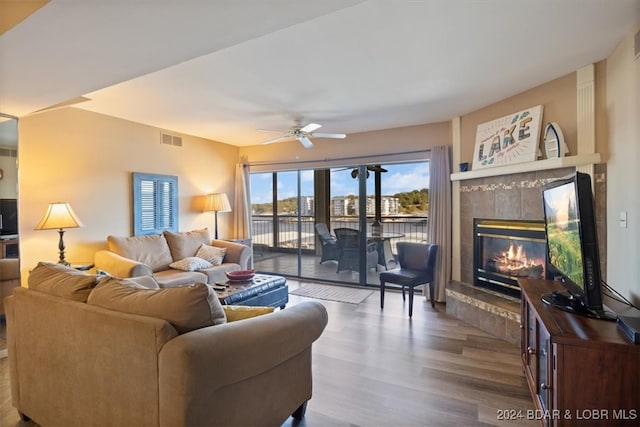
217	202
58	216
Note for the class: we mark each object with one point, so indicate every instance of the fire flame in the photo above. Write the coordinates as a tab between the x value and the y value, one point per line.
516	257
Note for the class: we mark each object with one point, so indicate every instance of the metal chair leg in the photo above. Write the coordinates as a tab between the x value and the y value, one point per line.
381	295
410	301
432	294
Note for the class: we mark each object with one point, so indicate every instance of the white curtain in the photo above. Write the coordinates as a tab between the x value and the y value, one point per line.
440	215
242	205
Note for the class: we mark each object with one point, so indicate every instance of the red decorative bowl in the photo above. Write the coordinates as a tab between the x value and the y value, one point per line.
240	275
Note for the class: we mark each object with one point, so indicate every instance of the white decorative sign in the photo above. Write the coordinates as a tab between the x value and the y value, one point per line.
509	139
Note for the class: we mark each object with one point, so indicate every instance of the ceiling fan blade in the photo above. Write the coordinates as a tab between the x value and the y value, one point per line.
377	168
306	142
329	135
278	139
310	127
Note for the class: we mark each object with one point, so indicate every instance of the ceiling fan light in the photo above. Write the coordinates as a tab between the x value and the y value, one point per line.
310	127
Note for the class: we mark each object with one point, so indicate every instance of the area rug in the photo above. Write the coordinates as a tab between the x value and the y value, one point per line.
333	293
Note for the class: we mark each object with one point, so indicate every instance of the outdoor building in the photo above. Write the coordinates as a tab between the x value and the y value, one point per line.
307	205
348	205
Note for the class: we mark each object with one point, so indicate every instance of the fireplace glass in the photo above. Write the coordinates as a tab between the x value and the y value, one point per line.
506	250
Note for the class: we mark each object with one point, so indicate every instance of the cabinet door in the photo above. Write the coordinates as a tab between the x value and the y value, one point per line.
529	341
543	368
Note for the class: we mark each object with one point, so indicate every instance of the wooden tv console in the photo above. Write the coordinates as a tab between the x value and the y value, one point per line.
581	371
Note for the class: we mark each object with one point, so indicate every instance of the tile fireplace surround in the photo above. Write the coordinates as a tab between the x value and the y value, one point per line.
514	196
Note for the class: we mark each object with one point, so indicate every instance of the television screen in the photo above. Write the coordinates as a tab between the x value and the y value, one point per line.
8	217
563	232
572	246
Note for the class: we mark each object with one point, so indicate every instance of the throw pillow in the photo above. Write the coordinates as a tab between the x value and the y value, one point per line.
190	263
187	243
186	307
62	281
240	312
213	254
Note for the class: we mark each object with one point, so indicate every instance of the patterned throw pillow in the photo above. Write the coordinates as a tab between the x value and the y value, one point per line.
191	263
212	254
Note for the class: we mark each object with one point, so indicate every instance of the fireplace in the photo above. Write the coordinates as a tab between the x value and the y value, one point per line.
505	250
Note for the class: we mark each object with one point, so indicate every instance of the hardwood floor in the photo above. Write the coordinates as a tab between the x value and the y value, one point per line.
380	368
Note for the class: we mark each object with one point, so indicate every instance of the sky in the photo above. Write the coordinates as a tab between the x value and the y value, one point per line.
399	178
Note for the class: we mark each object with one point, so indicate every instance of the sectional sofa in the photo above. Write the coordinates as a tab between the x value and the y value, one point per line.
92	350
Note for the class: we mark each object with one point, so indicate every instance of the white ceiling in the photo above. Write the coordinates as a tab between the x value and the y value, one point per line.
225	69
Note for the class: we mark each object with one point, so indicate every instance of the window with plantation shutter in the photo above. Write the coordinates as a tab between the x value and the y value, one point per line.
155	203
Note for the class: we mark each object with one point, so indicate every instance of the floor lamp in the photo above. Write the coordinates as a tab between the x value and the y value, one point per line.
59	216
217	202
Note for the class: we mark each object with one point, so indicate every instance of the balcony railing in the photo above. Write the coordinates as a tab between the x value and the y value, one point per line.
281	233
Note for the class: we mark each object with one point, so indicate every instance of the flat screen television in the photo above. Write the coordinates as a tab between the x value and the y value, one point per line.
573	258
8	217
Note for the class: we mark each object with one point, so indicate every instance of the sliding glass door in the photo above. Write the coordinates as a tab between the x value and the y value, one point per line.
283	220
298	215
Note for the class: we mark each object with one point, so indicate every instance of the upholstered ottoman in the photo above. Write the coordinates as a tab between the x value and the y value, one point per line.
262	290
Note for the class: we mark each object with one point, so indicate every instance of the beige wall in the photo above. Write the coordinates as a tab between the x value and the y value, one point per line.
558	98
87	159
366	147
623	126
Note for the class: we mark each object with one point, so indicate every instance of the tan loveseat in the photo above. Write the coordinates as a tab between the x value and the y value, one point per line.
79	356
154	254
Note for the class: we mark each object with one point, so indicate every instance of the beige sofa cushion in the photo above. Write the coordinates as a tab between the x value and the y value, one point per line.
151	250
186	307
9	268
186	244
62	281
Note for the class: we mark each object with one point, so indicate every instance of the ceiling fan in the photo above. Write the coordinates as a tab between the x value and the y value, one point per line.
373	168
304	135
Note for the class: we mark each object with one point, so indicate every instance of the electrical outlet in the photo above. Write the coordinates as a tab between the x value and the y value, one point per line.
622	219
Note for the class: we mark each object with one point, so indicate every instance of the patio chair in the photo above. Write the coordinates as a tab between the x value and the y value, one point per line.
417	265
328	242
349	250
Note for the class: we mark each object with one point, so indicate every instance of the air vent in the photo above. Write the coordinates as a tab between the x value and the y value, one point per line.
636	47
169	139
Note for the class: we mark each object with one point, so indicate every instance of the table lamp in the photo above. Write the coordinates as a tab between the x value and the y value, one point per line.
217	202
59	216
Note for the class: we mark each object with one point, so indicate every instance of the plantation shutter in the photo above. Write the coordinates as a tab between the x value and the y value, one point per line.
155	203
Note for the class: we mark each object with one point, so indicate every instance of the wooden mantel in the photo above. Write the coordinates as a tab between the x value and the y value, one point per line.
538	165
